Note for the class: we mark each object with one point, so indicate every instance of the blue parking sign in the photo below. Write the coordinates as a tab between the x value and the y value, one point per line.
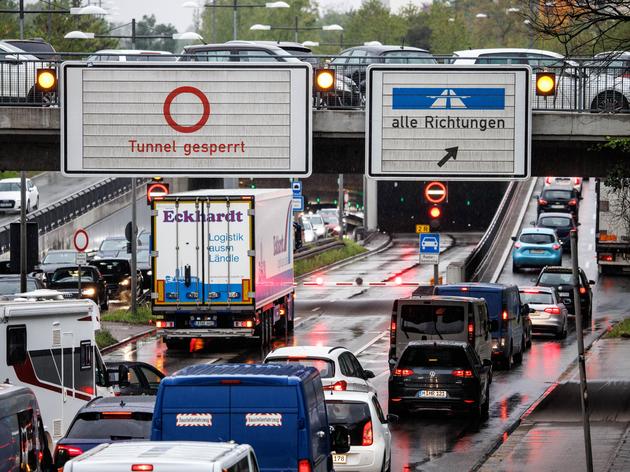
429	243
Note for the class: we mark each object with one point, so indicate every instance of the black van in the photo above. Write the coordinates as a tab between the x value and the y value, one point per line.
25	445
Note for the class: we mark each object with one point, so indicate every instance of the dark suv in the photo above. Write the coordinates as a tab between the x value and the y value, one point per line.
559	199
440	375
562	279
562	223
105	420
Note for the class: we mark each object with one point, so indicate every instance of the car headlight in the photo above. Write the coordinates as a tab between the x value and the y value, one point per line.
149	272
88	292
125	282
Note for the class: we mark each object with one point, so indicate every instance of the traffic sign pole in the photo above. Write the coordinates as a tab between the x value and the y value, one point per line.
81	241
134	248
340	200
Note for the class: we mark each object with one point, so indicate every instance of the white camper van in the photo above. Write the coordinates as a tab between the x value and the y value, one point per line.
35	334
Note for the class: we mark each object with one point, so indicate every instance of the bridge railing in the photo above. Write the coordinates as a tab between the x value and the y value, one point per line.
582	84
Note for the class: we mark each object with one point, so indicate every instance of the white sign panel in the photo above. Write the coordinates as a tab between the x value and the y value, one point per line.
451	122
186	118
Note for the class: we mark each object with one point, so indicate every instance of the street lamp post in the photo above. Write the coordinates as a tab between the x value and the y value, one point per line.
296	28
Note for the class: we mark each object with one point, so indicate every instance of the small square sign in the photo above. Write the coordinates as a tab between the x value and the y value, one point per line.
296	187
298	203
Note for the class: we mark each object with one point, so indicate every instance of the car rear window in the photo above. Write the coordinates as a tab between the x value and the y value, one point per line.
12	286
542	298
111	427
432	319
557	195
437	357
409	57
555	222
537	238
555	278
325	367
353	415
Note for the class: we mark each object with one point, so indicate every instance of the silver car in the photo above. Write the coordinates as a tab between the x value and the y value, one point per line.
547	313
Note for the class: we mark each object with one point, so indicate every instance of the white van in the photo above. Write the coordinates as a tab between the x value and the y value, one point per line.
166	456
440	317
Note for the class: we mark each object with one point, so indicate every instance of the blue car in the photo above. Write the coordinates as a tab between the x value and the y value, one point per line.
536	247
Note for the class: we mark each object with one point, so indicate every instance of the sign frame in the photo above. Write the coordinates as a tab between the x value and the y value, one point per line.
443	173
306	166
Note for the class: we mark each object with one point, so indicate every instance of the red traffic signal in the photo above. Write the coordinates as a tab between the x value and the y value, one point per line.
435	192
156	191
435	212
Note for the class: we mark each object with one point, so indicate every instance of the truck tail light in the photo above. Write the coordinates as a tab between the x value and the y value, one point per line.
463	374
606	257
392	330
304	465
403	372
553	310
164	324
368	438
504	315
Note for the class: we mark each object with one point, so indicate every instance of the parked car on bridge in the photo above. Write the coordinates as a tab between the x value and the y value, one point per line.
93	286
536	247
18	74
547	312
37	47
132	55
10	198
609	82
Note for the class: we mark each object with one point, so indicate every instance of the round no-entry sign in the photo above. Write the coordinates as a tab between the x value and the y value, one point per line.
81	240
435	192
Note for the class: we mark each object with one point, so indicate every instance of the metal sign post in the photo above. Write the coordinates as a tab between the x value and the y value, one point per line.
134	249
23	241
81	242
581	359
340	200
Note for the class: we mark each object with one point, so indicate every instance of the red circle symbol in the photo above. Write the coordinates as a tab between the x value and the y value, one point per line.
157	192
80	240
435	192
435	212
169	101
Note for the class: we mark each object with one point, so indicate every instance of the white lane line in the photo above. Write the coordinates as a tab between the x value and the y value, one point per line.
590	247
372	341
587	265
315	309
297	318
295	325
592	230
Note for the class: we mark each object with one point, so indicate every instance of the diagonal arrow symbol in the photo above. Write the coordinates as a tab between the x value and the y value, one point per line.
450	152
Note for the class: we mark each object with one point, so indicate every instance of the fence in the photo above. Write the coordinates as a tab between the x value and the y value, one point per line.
583	84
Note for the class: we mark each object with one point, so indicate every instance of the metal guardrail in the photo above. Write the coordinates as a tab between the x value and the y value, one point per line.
583	84
69	208
319	247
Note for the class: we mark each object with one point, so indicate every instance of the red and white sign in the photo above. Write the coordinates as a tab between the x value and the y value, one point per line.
187	118
435	192
194	419
263	419
80	240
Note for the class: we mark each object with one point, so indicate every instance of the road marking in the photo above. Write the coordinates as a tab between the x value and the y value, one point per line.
212	361
592	230
373	341
315	309
297	318
587	265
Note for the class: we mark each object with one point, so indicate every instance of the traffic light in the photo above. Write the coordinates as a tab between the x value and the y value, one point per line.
46	80
545	84
324	80
156	191
435	212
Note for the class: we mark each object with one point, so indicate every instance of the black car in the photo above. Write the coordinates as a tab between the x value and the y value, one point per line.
36	47
66	281
440	375
353	62
117	275
112	246
560	200
55	259
562	279
105	420
562	223
10	284
134	378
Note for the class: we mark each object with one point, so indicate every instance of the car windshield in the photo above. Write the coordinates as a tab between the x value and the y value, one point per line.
307	225
60	257
434	357
555	222
114	428
330	219
432	319
354	415
9	187
537	238
113	245
409	57
316	220
325	367
555	278
10	286
112	267
72	275
563	195
541	298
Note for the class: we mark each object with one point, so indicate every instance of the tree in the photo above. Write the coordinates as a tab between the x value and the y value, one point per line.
149	26
582	26
374	22
8	21
618	180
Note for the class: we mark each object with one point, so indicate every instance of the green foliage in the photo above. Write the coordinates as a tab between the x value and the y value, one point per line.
374	22
104	338
148	26
620	330
304	266
8	21
143	316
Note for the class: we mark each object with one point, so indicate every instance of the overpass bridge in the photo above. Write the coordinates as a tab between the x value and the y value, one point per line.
563	142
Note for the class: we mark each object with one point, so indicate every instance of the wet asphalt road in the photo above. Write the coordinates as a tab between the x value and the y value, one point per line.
358	318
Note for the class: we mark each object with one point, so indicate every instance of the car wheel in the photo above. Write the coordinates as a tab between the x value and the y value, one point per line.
515	268
518	358
609	102
509	363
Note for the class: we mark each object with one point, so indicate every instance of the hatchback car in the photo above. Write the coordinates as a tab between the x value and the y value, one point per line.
561	223
93	286
536	247
339	368
559	199
106	420
566	182
134	378
370	438
547	313
440	375
10	198
561	278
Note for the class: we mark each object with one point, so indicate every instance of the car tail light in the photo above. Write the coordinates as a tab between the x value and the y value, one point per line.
464	289
504	315
469	402
582	290
368	438
403	372
64	453
548	180
142	467
461	373
517	245
556	246
554	310
577	180
471	333
542	201
529	290
338	386
606	257
573	202
116	414
304	465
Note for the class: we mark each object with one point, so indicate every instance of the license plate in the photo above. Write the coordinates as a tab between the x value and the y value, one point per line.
564	294
537	251
204	323
6	205
339	458
432	394
557	206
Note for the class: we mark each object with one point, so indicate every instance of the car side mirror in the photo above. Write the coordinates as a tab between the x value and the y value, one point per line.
368	374
591	282
525	310
533	223
392	362
123	376
513	238
391	418
340	439
494	325
578	224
